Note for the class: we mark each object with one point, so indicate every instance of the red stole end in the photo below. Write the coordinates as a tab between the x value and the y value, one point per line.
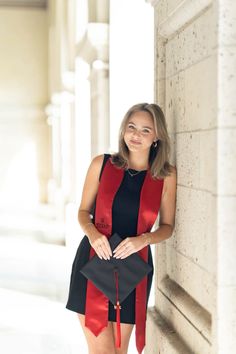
96	310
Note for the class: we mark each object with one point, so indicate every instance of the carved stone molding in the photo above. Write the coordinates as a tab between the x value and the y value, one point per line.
167	338
152	2
94	44
180	15
200	317
24	3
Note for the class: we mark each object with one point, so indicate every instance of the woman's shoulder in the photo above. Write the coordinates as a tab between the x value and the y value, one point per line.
170	180
98	159
172	173
98	162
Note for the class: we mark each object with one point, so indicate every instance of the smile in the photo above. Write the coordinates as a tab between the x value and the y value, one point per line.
135	142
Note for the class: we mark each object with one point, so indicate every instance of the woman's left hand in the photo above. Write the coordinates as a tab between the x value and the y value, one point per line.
129	245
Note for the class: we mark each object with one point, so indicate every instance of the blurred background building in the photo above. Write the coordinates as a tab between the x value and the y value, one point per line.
69	71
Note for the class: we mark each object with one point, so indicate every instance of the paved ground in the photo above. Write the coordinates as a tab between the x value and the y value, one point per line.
33	288
30	324
34	279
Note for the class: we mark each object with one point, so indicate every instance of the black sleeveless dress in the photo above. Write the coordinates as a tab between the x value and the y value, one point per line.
124	221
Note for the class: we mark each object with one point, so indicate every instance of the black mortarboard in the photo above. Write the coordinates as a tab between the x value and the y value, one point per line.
116	277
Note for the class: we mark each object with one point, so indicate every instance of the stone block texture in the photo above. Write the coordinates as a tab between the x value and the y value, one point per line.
195	282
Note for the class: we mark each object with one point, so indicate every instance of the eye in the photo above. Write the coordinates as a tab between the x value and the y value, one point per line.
130	126
146	131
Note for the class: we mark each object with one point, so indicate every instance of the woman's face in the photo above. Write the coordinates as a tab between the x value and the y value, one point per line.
139	131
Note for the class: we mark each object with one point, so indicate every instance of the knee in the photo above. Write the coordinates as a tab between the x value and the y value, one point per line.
121	351
102	351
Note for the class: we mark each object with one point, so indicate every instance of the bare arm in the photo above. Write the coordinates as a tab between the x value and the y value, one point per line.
97	240
167	211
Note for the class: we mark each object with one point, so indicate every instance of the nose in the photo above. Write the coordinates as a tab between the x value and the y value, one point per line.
137	132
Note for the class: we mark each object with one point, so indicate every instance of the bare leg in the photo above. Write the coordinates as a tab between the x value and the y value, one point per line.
103	343
126	330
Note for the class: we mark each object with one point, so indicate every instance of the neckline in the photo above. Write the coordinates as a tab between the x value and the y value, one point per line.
132	169
132	172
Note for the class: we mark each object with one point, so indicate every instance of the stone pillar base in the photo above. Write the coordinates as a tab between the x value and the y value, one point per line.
158	330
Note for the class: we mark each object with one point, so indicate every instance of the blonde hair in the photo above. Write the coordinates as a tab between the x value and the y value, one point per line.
159	155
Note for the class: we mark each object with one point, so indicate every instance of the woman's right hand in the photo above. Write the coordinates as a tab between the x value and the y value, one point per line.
101	246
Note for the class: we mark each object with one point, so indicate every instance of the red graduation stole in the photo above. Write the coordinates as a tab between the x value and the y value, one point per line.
96	310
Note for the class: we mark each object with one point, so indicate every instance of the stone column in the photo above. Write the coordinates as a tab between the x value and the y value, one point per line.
195	285
225	316
91	98
100	123
93	50
61	106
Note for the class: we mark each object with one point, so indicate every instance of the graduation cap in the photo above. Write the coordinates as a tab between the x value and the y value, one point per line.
116	277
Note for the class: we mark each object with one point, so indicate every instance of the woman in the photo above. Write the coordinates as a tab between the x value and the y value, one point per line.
124	192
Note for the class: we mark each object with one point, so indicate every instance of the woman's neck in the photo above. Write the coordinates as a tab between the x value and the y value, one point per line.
138	162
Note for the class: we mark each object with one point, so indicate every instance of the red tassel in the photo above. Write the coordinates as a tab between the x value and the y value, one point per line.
118	308
118	333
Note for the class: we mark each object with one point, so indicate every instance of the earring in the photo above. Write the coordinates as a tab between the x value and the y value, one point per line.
155	143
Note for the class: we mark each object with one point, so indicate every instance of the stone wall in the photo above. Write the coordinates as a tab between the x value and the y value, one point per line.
195	61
